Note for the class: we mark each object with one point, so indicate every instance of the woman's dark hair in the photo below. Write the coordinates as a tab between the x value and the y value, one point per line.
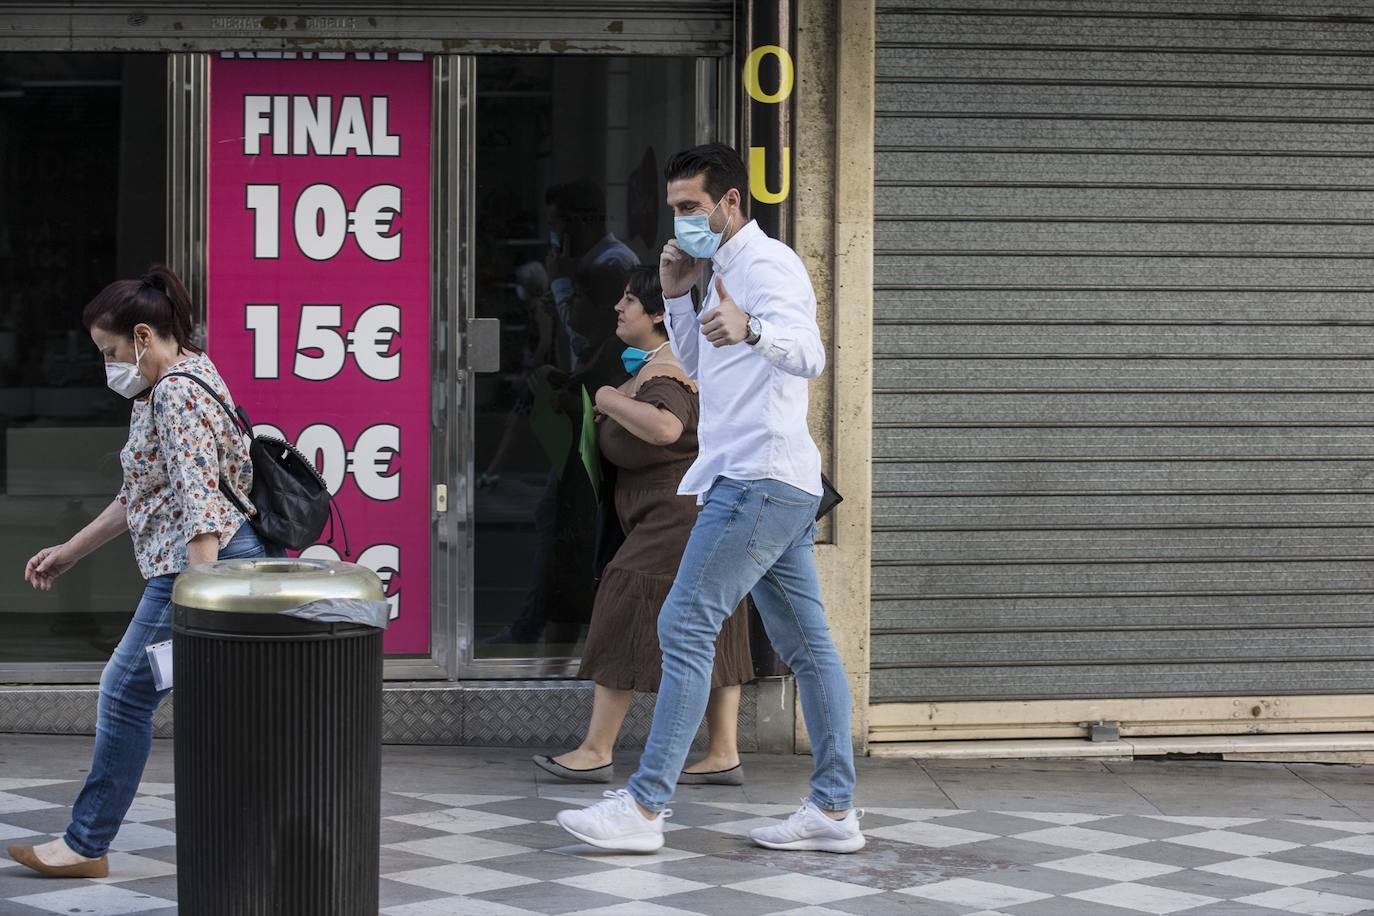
721	164
645	286
157	299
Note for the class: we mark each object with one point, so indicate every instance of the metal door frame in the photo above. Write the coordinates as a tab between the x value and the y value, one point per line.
715	119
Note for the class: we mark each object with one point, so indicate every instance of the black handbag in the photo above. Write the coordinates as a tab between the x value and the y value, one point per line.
830	498
291	499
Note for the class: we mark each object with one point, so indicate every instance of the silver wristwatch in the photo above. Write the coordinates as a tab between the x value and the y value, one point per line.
755	330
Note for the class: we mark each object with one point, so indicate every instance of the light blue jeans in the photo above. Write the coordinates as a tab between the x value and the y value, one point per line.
124	714
752	537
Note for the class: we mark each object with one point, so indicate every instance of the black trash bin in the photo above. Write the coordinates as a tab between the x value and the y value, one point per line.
278	739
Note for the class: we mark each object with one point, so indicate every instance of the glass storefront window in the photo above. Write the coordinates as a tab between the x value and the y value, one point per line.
569	164
82	202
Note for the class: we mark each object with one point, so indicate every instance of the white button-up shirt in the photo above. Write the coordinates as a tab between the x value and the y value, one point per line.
754	399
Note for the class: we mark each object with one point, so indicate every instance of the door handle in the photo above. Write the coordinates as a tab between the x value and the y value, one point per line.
484	344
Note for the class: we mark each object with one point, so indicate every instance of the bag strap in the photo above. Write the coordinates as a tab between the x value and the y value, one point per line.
239	418
240	421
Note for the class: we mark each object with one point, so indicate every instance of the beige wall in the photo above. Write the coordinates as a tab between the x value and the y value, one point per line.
833	203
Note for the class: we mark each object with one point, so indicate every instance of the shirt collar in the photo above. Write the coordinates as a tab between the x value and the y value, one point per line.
737	243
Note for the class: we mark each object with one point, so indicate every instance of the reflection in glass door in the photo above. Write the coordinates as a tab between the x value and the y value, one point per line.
568	155
82	202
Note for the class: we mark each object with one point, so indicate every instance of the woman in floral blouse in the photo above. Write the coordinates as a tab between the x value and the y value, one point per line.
182	449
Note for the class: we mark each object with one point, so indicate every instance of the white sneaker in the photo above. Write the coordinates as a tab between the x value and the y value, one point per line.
615	824
810	829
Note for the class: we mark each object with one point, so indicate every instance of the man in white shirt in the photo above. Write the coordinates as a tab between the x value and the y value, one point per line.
758	479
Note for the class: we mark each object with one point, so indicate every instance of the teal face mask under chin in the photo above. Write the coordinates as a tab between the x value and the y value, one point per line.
634	358
695	235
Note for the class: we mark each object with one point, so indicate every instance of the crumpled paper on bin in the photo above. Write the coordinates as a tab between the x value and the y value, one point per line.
345	610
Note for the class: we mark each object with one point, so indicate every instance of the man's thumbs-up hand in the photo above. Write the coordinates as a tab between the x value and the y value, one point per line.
726	324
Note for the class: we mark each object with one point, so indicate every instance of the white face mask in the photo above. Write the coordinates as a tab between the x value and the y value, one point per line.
124	378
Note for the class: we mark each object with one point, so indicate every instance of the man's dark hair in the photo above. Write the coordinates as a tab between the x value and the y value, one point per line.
722	166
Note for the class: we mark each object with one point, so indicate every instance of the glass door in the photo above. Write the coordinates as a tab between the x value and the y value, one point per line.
567	197
82	202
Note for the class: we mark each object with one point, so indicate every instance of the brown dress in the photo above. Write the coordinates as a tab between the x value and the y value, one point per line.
622	650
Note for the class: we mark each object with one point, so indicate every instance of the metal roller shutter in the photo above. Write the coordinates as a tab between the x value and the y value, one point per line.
1124	309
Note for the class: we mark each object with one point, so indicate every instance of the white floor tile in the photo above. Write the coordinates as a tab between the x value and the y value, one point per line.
151	808
459	801
460	848
1114	868
1080	838
450	906
1268	871
967	892
95	900
803	888
624	860
635	908
1237	844
137	837
1211	823
756	810
9	785
1363	845
1143	898
633	884
918	814
13	804
11	832
1344	826
457	820
927	833
156	788
127	867
459	879
1066	819
741	828
1309	903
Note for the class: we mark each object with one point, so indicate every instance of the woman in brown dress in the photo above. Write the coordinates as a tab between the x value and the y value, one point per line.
647	429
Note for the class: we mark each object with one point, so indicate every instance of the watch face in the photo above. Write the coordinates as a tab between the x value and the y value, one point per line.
755	326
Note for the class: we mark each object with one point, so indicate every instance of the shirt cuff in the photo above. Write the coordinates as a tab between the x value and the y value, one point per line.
681	303
562	289
764	345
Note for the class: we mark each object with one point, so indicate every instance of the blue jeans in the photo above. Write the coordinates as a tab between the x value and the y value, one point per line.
755	537
124	715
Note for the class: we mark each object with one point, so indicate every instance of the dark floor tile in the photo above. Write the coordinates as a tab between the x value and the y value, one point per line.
549	898
726	901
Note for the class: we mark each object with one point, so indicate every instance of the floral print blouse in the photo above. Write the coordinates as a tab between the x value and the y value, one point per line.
181	444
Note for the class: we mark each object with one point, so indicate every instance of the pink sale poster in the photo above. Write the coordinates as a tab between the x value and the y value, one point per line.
318	292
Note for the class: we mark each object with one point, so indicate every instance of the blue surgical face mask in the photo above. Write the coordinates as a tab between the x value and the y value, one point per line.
635	358
695	235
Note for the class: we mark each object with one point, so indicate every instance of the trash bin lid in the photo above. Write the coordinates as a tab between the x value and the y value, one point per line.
270	586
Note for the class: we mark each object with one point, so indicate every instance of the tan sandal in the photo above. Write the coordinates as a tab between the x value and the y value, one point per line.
91	868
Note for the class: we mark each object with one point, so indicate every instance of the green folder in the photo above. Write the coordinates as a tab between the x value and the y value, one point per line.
587	447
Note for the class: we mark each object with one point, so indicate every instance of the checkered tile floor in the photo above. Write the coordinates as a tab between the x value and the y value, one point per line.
502	855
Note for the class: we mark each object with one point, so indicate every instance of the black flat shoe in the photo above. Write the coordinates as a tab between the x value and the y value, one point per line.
731	777
553	767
